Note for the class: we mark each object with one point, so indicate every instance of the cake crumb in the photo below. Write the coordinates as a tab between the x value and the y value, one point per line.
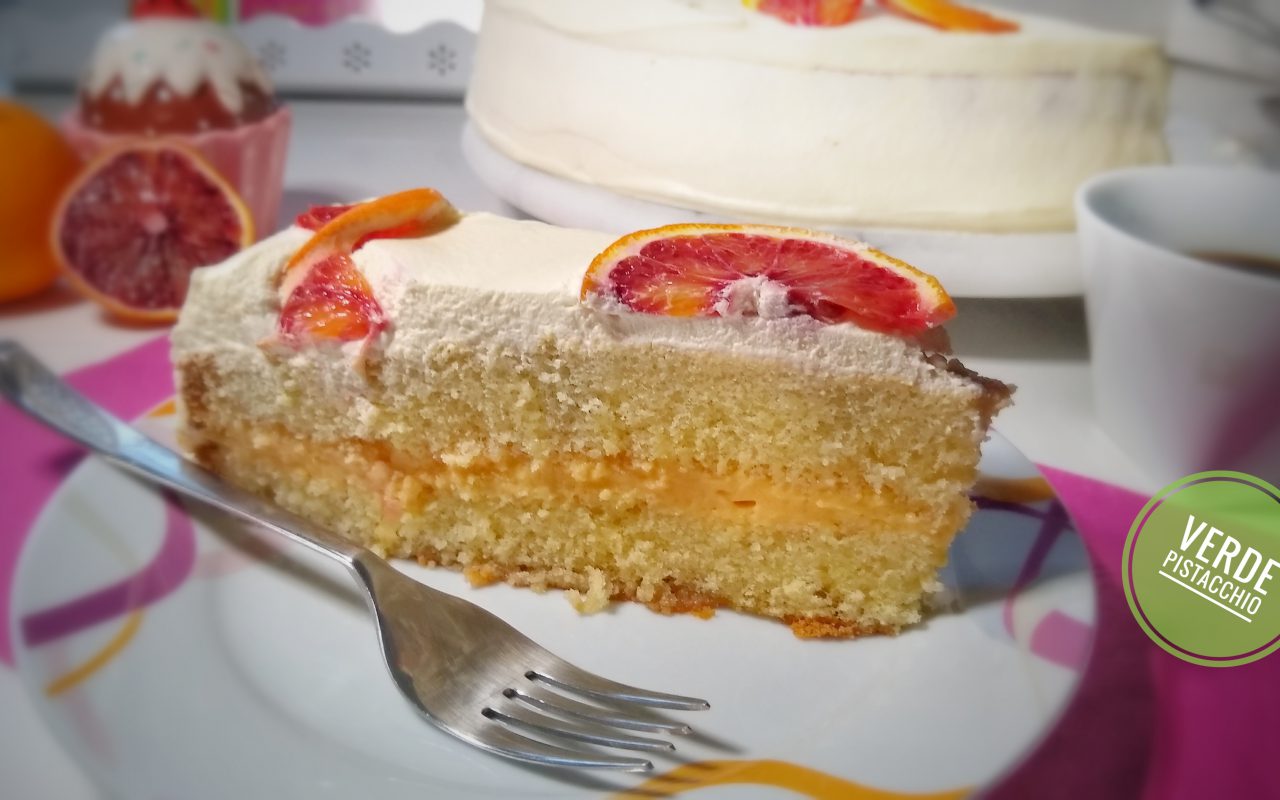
595	598
479	575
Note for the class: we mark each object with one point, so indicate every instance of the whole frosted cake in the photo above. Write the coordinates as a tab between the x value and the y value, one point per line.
698	417
881	121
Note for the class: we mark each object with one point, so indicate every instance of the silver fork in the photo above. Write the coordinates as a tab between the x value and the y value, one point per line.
463	668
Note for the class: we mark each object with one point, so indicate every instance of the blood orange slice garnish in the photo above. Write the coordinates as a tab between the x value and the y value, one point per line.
323	295
139	220
316	217
950	16
334	303
172	9
808	12
765	271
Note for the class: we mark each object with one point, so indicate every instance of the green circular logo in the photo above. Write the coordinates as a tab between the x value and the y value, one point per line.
1202	568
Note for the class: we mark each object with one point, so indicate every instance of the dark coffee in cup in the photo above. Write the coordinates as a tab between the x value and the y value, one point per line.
1246	261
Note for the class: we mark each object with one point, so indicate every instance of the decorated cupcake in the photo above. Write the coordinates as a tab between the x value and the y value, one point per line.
168	73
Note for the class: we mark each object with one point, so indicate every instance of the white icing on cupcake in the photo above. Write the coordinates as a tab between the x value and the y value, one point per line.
183	53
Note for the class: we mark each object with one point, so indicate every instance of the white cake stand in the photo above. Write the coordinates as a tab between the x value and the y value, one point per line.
967	264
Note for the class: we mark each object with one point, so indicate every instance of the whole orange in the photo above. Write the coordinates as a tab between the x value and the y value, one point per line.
36	164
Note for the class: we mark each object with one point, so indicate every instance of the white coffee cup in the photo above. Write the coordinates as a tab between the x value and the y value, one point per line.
1185	352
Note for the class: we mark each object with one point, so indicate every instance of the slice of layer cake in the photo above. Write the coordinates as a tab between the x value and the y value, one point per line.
667	430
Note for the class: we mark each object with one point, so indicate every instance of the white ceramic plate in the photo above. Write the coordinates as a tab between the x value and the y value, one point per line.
176	656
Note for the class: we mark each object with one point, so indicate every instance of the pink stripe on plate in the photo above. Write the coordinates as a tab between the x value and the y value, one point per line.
36	460
166	572
1063	640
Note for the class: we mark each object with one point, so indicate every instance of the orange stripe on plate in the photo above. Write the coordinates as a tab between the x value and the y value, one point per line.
99	660
784	775
1013	490
166	409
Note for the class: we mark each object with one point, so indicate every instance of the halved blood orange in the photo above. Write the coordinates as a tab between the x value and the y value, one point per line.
951	16
130	230
765	271
323	295
808	12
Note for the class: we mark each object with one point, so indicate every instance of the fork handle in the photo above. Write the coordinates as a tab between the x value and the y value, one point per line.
34	389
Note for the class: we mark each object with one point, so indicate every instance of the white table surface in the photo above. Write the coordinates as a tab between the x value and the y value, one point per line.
348	149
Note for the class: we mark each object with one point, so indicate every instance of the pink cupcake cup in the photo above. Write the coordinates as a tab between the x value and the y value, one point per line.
250	157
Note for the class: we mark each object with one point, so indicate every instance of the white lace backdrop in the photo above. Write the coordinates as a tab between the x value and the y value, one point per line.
417	48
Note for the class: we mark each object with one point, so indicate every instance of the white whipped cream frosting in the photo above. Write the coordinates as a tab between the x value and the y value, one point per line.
876	41
494	284
183	53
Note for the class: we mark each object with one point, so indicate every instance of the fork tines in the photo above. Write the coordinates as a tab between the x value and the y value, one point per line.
536	707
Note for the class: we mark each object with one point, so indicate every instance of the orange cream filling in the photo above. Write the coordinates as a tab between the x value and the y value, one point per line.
589	481
407	486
